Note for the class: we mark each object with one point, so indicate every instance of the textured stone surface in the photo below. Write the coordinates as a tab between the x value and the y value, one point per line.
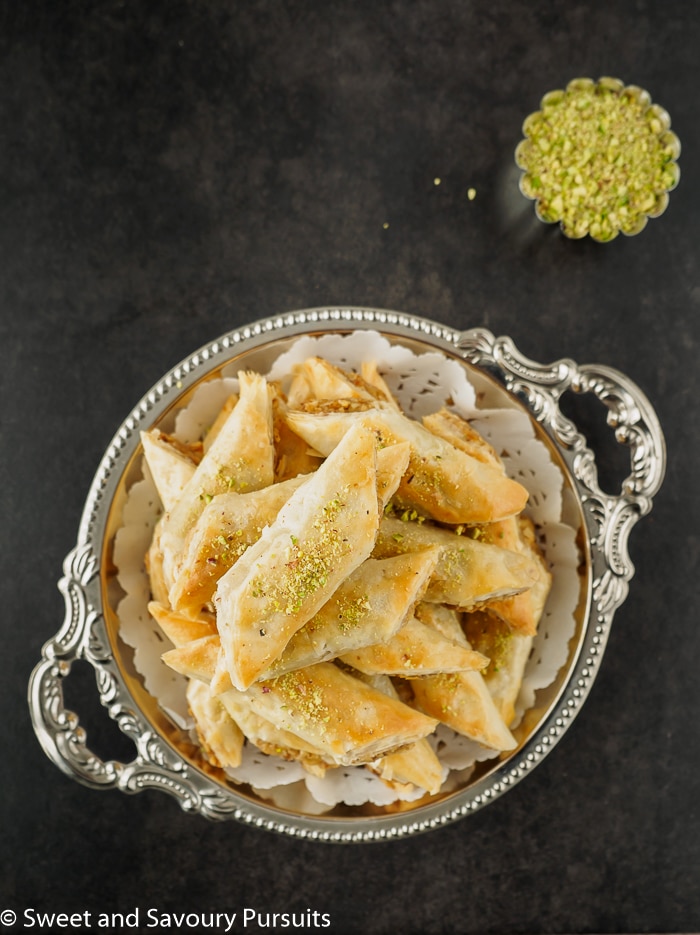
170	170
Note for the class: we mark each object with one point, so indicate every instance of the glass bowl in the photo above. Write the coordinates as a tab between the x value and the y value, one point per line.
598	158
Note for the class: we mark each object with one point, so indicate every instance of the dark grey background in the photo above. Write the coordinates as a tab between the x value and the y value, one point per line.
172	169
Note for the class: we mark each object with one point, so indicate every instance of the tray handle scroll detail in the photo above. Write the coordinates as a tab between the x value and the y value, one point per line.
58	729
542	385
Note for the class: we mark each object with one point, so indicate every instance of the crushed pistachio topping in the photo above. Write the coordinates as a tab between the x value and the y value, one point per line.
308	564
230	478
427	474
452	563
384	438
449	682
352	611
235	477
306	699
226	548
598	159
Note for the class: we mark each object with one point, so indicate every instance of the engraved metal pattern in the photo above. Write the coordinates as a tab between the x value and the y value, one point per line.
609	519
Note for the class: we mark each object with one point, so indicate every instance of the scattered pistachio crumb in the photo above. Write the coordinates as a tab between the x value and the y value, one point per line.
471	194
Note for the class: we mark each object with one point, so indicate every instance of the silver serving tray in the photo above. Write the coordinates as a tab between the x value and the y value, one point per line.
165	759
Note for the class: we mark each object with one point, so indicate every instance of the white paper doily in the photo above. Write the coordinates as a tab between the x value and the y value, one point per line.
422	384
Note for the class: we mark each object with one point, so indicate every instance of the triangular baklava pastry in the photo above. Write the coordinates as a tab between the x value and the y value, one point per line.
469	572
228	526
370	606
179	628
317	381
416	764
521	612
220	736
415	650
461	699
197	659
442	481
232	522
170	466
347	720
241	458
325	530
271	739
508	651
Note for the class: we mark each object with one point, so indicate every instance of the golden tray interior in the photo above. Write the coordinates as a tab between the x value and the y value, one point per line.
490	393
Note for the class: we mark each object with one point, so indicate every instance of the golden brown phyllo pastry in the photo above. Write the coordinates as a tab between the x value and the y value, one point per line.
337	579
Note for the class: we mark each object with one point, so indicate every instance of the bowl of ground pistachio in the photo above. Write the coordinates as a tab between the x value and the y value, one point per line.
598	158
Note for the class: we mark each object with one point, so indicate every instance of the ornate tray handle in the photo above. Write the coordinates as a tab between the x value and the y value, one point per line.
610	517
58	729
82	636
